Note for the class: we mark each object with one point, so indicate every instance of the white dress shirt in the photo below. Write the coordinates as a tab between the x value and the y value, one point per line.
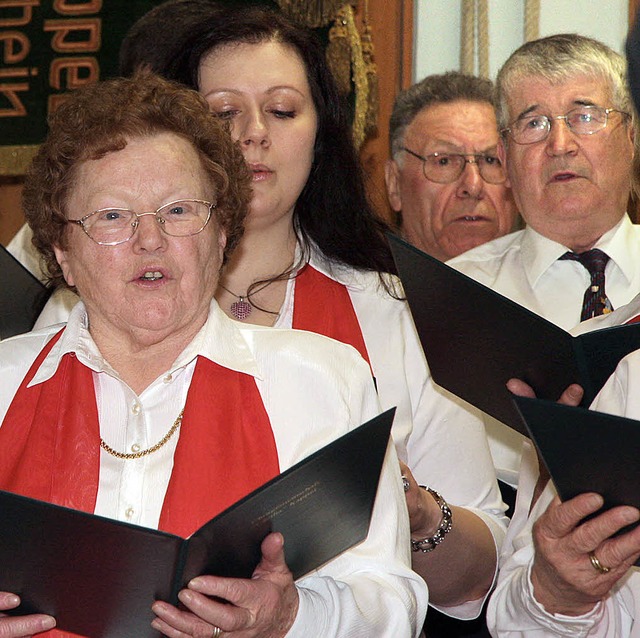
314	390
513	610
524	266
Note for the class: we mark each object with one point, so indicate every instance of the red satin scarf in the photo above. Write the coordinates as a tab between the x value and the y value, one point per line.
50	444
324	306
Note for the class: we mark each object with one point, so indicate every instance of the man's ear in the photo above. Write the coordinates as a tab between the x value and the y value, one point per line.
392	180
502	156
61	257
632	137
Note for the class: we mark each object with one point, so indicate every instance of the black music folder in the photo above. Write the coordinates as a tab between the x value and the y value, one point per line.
475	340
99	577
22	296
586	451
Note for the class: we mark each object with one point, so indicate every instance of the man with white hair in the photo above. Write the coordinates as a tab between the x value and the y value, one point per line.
568	142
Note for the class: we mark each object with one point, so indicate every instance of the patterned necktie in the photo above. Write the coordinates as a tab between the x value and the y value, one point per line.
595	300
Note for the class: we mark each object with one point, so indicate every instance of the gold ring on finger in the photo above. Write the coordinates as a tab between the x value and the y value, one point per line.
217	632
597	565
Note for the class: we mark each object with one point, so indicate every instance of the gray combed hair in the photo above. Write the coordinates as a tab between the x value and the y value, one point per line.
451	86
561	57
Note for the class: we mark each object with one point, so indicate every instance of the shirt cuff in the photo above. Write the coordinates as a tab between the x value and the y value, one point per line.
310	616
558	623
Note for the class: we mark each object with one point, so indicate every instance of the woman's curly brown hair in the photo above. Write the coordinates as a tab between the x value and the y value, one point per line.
100	119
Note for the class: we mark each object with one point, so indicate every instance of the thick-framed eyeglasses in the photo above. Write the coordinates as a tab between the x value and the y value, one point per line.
444	168
113	226
583	120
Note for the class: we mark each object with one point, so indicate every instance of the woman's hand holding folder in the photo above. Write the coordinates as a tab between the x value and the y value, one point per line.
21	626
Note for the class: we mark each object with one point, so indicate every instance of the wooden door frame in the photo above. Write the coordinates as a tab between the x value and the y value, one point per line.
392	33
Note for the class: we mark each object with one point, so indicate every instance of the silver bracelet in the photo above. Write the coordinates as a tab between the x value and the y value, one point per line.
446	524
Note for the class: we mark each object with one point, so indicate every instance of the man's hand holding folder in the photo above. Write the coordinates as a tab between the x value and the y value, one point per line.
578	561
588	537
572	395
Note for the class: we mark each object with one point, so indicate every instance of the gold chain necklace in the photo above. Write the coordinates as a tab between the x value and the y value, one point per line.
150	450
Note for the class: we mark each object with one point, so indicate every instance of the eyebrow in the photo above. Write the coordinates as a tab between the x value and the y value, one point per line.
536	107
457	150
269	91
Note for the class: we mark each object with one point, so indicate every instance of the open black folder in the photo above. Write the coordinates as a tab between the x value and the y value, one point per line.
586	451
99	577
22	296
475	340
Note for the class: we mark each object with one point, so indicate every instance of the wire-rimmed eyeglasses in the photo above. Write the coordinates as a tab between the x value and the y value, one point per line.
113	226
583	120
444	168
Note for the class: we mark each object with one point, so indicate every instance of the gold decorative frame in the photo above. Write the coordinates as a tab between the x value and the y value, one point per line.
15	159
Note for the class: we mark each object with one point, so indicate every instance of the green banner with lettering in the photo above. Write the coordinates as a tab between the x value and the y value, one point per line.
47	49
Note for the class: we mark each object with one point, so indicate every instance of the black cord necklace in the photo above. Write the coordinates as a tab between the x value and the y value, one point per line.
242	308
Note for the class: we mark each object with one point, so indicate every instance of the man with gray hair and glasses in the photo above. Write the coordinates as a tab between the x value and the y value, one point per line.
568	142
445	180
447	185
574	572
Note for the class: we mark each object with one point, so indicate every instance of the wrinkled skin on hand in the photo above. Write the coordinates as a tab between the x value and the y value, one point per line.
21	626
563	577
564	580
264	606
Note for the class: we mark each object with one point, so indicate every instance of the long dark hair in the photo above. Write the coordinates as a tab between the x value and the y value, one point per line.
333	210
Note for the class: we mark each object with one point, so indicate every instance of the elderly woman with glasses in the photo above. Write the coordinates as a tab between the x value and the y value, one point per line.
151	406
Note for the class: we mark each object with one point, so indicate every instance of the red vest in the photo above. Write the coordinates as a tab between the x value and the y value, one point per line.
324	306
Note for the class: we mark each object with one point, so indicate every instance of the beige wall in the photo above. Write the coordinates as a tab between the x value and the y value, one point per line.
437	28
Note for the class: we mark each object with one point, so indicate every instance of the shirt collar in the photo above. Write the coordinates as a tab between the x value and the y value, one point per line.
221	340
539	253
620	243
226	342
